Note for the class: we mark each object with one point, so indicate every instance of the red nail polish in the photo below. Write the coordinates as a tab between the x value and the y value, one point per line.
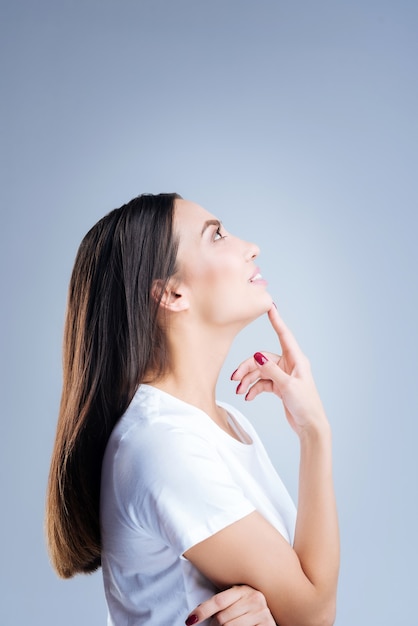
232	375
260	358
192	619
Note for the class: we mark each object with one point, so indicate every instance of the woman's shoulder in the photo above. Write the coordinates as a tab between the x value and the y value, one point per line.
155	445
159	426
157	422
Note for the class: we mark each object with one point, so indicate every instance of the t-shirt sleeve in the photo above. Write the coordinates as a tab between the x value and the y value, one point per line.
174	485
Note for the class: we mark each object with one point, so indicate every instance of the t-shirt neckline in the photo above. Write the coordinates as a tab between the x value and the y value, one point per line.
233	421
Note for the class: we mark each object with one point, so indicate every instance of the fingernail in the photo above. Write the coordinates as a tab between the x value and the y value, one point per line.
192	619
237	389
260	358
233	373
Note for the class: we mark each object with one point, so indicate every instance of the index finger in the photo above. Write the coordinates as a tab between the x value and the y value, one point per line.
286	337
216	603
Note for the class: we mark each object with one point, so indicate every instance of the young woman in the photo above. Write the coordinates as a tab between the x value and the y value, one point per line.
168	489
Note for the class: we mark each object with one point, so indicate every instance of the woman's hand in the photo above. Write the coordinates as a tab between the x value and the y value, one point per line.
288	376
240	605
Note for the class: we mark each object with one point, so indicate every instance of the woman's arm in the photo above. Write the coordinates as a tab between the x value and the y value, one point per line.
299	582
240	605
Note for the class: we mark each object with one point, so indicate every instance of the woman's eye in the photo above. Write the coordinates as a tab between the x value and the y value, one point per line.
217	235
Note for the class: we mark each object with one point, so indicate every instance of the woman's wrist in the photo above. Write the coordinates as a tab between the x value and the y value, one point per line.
317	432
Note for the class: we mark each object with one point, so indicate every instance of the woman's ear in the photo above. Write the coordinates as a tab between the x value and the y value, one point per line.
173	297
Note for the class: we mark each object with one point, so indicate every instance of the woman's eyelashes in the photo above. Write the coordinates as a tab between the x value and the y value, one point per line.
218	234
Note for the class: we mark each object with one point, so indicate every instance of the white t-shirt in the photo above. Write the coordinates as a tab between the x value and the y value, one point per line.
171	478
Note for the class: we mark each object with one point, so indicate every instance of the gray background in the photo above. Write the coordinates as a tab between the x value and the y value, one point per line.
295	123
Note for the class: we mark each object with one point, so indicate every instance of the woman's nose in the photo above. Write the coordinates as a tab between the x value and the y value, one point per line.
252	251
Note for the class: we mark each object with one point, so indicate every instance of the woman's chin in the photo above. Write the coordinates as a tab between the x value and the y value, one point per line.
267	303
264	305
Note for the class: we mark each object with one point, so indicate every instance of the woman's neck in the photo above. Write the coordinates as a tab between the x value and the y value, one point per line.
196	359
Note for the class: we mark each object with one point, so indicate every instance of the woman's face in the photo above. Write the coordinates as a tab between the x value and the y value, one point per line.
218	272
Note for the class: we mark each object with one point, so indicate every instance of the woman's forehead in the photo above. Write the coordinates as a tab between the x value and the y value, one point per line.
187	212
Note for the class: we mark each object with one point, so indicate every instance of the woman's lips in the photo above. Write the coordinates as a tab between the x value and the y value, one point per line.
257	278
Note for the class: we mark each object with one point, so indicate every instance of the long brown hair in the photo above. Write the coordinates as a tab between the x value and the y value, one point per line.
112	338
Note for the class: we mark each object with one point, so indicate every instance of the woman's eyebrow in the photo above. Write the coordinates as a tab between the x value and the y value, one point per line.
210	223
